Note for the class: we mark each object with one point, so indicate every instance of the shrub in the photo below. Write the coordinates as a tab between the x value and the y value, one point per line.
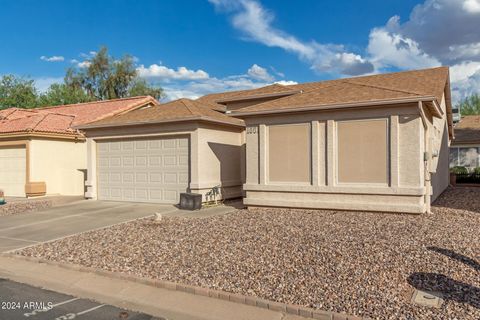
476	170
459	170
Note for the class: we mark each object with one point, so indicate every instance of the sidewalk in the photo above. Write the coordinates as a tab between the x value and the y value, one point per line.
159	302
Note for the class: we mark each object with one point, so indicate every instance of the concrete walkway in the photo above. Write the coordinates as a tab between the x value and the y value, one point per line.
173	305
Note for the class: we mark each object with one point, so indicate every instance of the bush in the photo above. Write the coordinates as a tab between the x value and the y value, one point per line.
476	170
459	170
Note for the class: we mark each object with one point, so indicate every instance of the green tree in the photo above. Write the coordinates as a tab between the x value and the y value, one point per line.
17	92
140	87
108	78
60	94
470	105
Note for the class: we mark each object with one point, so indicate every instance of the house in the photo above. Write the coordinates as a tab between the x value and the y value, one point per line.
465	148
41	153
367	143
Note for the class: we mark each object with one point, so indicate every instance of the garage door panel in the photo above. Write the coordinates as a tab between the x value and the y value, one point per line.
155	178
141	161
13	171
156	194
129	194
128	161
150	170
128	177
115	162
127	145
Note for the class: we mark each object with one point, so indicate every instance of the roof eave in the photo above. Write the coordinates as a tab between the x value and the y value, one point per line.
372	103
137	123
24	134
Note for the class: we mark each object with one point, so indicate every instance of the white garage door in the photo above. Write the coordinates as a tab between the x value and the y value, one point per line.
13	171
146	170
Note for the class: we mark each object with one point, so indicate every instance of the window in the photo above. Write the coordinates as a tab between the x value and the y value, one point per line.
465	157
289	153
362	151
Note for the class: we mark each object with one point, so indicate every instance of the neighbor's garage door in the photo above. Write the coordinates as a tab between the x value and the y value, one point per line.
146	170
13	171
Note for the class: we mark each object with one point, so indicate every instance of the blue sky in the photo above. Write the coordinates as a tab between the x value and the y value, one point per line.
199	46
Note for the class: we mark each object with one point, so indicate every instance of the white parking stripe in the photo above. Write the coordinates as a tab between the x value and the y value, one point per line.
64	302
90	310
34	312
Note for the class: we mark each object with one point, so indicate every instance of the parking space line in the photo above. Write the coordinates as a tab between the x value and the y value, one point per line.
34	312
64	302
89	310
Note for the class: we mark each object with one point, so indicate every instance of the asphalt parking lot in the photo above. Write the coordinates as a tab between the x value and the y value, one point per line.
20	301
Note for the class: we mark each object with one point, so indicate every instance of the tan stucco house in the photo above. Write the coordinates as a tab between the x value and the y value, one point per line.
41	153
465	148
368	143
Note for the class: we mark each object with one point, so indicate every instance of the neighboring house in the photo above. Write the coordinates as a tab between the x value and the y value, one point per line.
368	143
465	148
40	152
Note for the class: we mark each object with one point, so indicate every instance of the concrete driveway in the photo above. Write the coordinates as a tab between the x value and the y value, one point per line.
18	231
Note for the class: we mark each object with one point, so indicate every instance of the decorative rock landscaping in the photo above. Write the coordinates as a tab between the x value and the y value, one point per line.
16	207
362	263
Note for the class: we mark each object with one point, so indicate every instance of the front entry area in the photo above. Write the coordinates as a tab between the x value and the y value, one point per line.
143	170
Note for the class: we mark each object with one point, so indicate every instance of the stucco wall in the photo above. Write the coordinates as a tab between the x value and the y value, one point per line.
58	163
220	162
403	193
439	168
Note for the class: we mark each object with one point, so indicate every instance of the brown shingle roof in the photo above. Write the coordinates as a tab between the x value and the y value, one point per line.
62	119
173	111
398	85
270	89
468	130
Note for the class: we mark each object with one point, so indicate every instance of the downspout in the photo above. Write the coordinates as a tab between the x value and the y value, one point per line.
426	160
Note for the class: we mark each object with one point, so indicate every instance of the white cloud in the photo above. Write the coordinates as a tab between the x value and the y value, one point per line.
388	49
259	73
286	82
256	23
52	58
464	70
437	32
472	6
445	29
84	64
466	87
156	71
194	84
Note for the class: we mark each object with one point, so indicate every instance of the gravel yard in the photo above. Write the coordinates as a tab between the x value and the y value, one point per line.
361	263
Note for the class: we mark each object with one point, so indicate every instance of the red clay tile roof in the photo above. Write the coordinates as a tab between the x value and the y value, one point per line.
173	111
468	130
62	119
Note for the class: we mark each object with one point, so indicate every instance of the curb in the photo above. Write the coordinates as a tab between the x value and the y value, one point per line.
212	293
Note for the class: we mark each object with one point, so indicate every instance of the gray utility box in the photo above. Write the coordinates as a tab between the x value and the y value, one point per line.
190	201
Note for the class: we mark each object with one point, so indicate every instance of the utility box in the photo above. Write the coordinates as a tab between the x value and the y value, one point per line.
190	201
